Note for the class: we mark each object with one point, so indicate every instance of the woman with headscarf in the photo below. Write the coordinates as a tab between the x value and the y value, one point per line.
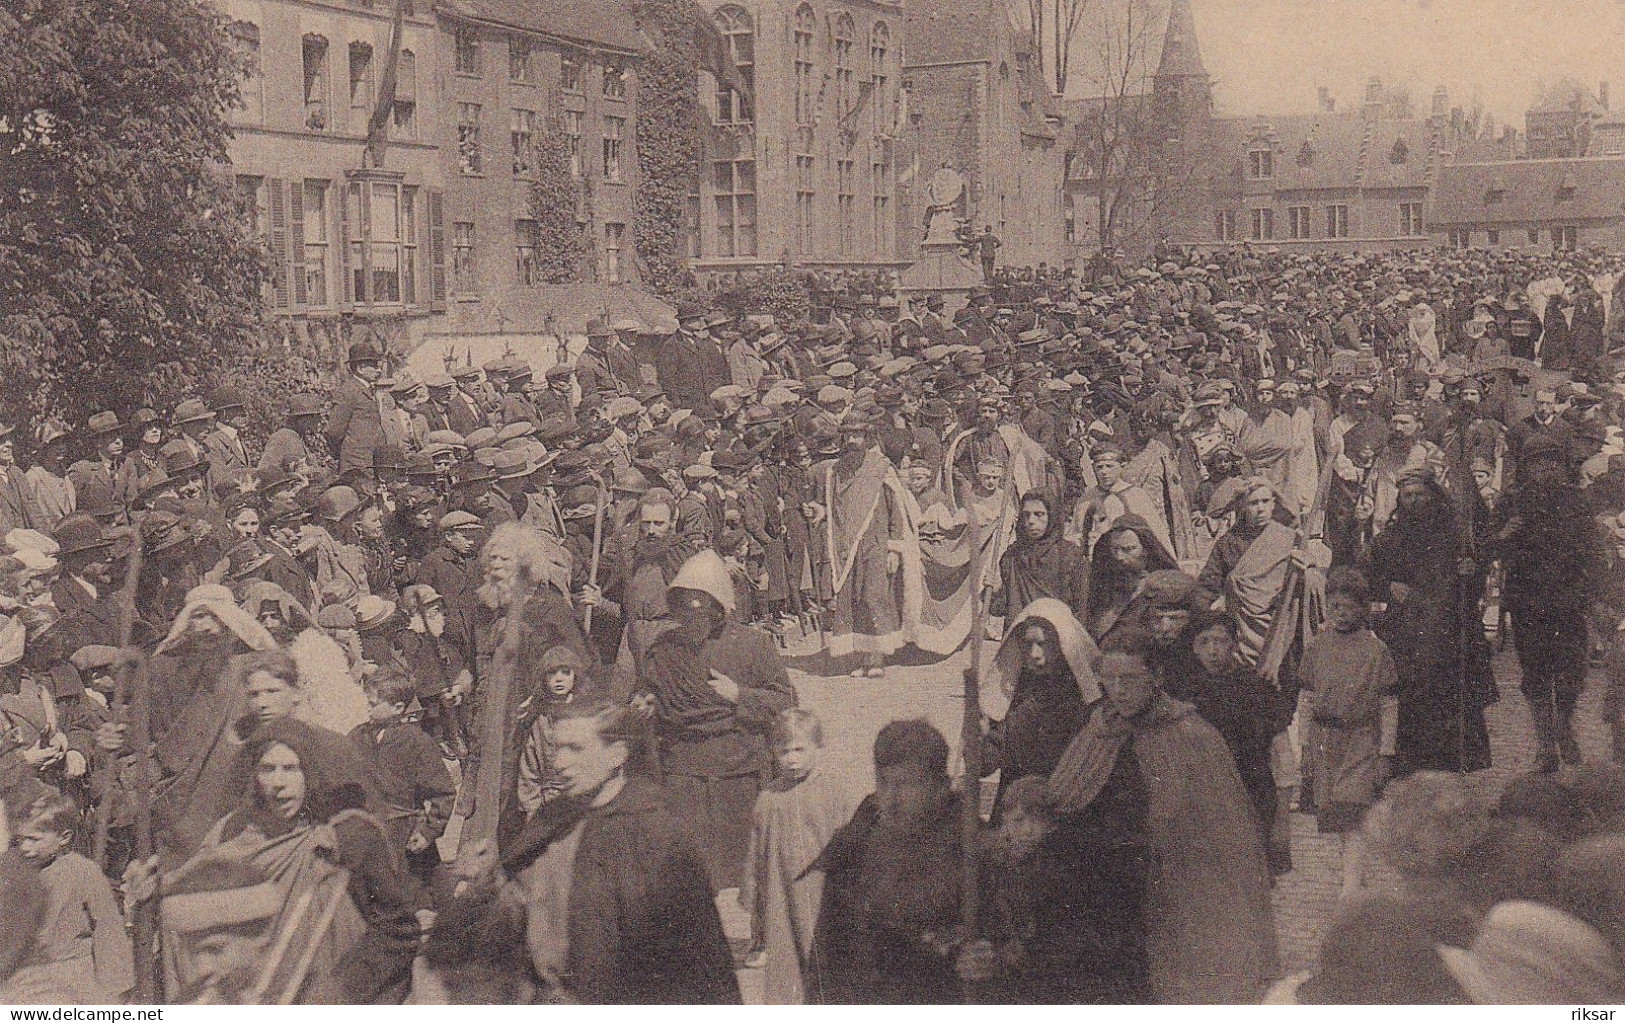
1170	818
344	929
1431	628
715	688
1037	693
1041	563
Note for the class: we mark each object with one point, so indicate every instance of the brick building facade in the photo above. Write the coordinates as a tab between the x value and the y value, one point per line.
347	242
808	175
513	72
977	102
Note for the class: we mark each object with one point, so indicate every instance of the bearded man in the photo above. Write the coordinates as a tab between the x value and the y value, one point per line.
872	548
715	688
527	585
635	588
892	883
1124	556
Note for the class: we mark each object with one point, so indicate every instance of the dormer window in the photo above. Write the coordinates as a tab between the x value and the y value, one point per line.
1496	192
1260	164
1306	154
1565	188
1400	153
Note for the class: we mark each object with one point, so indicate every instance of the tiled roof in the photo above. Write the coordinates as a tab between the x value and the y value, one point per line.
1529	191
1331	151
592	22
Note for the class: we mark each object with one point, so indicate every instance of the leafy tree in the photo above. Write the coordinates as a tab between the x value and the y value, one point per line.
670	125
126	272
555	198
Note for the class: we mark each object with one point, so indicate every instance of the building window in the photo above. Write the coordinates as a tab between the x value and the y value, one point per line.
844	32
880	177
315	67
245	40
470	159
466	43
406	95
1224	225
1306	154
1263	225
315	242
806	25
614	81
463	281
1337	221
1565	239
804	204
1260	164
360	87
879	46
734	191
1459	238
519	62
527	235
252	190
614	128
692	232
1534	236
1410	219
522	130
381	220
614	239
1494	236
1297	222
572	140
846	204
569	75
737	31
1400	153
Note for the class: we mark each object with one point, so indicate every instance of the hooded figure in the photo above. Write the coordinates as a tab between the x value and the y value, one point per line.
1040	562
717	687
1036	699
1117	568
345	930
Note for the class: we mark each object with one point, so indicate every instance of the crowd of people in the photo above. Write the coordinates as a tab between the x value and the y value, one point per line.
472	686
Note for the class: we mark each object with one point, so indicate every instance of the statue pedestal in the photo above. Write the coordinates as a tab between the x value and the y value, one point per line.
940	270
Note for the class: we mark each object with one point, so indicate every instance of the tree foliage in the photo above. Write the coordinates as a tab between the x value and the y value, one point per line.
126	274
670	134
555	199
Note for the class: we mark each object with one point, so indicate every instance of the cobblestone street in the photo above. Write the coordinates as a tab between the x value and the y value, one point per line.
853	710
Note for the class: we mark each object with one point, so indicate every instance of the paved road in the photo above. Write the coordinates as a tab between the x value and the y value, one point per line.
853	710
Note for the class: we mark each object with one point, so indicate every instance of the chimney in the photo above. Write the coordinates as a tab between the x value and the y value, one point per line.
1602	94
1324	99
1441	102
1373	99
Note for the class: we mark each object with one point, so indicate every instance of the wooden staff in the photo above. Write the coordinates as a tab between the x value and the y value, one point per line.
970	743
597	550
495	695
107	763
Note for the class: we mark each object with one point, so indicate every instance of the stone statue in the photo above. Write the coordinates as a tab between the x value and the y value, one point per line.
942	195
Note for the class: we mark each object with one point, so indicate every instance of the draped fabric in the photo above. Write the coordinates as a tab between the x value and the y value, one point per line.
870	611
317	925
1252	587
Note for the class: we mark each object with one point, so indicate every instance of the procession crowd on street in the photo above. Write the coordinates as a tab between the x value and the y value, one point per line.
474	687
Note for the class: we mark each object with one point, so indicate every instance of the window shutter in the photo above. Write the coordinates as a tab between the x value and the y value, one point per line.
437	250
279	242
346	233
369	291
296	242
